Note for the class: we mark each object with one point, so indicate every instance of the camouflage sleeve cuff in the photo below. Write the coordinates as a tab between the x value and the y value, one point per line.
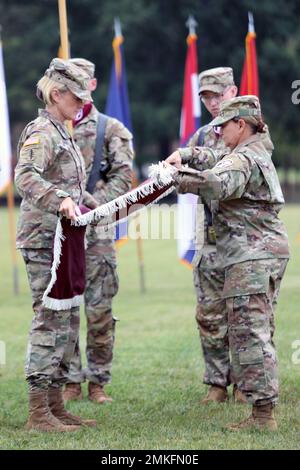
186	154
62	194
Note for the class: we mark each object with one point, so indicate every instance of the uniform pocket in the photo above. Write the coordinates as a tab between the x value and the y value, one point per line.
247	278
110	285
45	338
254	355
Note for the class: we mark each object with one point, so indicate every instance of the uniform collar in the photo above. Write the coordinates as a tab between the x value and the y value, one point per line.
62	129
253	138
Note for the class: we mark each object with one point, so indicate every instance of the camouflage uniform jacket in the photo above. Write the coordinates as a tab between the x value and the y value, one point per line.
117	155
246	185
50	168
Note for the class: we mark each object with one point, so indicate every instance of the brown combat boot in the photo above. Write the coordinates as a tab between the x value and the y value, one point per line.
40	416
215	394
72	392
262	417
238	396
97	394
56	405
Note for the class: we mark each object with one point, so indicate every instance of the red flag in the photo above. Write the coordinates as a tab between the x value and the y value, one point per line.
189	123
190	111
249	80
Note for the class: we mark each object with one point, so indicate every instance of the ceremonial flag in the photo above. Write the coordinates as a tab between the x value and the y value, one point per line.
66	287
249	80
5	146
117	104
189	123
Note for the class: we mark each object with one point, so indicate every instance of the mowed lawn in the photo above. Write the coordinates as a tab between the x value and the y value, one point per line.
157	370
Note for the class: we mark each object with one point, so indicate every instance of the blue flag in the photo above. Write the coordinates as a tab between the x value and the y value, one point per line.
117	104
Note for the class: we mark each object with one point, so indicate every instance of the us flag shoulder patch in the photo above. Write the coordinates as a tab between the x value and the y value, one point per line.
34	140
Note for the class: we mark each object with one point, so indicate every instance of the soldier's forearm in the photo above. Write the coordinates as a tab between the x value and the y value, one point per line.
39	192
199	158
205	184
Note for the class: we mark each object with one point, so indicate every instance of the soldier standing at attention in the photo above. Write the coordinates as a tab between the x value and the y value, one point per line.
216	85
106	146
50	177
252	247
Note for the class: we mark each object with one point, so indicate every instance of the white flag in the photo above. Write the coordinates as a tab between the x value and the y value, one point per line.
5	147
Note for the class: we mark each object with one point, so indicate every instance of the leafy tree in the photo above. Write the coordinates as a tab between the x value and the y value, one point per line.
155	50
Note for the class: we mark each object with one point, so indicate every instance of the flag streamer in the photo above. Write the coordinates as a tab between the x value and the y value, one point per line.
249	80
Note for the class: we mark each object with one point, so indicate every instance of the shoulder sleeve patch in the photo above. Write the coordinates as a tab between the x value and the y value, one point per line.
224	163
34	140
233	162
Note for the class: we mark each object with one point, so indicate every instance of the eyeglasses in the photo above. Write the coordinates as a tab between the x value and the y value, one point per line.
215	96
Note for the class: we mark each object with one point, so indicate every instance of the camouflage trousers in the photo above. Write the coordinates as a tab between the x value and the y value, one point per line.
251	290
53	334
101	286
211	318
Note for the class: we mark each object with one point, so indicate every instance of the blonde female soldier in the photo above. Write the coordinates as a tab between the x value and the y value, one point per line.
50	177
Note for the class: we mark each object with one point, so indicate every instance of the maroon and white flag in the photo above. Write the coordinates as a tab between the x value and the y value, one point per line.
67	284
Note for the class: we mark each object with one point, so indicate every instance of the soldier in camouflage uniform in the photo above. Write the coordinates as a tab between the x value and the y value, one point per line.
252	246
101	278
50	177
216	85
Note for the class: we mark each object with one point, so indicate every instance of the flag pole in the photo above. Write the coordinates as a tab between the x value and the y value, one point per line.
63	26
12	230
11	214
191	24
64	40
139	242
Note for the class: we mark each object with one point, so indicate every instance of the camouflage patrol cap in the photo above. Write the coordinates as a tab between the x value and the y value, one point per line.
85	64
74	77
246	107
215	80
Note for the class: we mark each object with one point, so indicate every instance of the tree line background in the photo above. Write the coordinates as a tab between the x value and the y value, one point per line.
155	49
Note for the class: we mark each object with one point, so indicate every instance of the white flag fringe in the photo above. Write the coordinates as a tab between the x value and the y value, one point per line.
160	176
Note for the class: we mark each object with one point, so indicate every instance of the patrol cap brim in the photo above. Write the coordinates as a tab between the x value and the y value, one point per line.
219	120
212	87
84	95
226	116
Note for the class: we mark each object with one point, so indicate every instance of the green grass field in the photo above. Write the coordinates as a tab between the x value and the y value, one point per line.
157	369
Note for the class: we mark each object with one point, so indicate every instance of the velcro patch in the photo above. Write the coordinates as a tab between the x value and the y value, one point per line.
224	163
35	140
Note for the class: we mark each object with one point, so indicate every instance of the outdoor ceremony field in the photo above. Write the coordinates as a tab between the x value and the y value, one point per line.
158	367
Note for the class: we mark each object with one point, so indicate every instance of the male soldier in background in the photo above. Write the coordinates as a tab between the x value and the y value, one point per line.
106	142
216	85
